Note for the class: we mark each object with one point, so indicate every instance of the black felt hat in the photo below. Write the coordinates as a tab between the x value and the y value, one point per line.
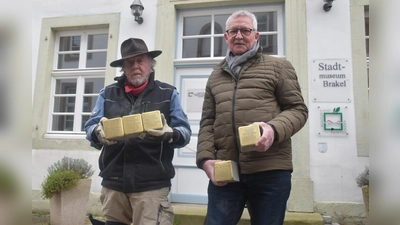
131	48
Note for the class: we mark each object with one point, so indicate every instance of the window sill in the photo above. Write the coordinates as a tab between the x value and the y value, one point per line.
65	136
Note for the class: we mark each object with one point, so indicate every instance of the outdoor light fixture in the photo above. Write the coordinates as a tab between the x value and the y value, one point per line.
328	5
137	10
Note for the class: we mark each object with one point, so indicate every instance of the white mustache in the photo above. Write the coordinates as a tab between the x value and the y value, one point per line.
239	42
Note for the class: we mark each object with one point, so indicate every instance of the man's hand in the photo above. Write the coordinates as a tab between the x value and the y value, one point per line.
267	137
165	134
208	167
99	130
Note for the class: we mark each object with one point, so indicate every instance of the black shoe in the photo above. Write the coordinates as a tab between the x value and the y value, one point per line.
94	221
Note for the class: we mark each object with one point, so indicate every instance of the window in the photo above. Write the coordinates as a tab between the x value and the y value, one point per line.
77	77
201	33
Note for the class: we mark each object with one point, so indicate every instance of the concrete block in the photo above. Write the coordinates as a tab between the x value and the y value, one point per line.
301	197
70	206
327	219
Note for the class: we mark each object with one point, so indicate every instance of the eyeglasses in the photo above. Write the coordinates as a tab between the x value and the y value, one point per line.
244	31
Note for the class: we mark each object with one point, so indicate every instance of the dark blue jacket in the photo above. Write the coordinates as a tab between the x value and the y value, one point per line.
135	165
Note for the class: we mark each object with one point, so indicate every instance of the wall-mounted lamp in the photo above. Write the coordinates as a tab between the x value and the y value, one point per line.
328	5
137	10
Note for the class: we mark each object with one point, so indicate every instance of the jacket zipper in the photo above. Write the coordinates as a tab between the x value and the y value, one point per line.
233	123
145	104
233	119
161	152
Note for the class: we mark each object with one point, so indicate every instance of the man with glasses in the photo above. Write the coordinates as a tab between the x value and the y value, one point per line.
247	88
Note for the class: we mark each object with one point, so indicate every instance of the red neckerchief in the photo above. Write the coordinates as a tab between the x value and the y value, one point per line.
135	91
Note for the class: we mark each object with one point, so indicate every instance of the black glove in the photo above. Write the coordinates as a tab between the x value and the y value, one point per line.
164	134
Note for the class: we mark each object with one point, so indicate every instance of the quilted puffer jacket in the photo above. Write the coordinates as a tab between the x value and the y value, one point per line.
266	90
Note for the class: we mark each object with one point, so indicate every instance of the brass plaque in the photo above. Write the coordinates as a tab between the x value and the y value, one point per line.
133	125
226	171
152	120
113	129
248	136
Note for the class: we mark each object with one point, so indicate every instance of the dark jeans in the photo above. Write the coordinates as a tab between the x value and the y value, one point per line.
266	192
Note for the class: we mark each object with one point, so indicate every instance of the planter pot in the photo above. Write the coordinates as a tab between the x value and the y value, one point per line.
69	206
365	192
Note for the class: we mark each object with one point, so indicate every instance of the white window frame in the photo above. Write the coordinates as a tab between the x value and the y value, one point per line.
80	74
82	53
278	8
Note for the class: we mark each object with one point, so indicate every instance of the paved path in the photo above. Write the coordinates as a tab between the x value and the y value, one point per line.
40	219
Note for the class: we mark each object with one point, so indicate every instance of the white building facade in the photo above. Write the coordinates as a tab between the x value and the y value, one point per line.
75	41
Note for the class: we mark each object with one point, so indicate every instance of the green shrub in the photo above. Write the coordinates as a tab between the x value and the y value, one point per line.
57	181
83	168
363	178
65	174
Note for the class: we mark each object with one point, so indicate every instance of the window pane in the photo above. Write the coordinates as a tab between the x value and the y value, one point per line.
267	21
97	41
196	25
93	85
66	86
71	43
84	120
219	24
199	47
220	46
89	103
96	59
66	61
269	44
64	104
63	123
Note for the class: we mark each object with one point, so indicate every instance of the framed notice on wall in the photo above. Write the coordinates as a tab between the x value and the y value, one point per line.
331	80
332	121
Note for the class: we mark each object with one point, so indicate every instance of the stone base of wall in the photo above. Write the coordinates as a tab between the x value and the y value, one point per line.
343	213
301	197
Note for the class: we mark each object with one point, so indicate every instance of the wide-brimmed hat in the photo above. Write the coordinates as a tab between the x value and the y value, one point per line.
131	48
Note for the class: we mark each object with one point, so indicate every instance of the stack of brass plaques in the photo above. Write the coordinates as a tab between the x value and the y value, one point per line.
226	171
131	126
248	136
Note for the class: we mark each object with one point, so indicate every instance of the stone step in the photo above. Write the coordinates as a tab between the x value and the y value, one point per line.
191	214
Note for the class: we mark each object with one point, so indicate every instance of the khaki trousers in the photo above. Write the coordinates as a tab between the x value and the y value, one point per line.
149	207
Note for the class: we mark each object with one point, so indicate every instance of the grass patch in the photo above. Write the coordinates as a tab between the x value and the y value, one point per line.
40	213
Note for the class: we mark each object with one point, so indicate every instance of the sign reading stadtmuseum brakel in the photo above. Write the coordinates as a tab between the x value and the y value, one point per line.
331	80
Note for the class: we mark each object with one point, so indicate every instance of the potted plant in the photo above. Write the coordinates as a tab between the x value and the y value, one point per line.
363	182
67	185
